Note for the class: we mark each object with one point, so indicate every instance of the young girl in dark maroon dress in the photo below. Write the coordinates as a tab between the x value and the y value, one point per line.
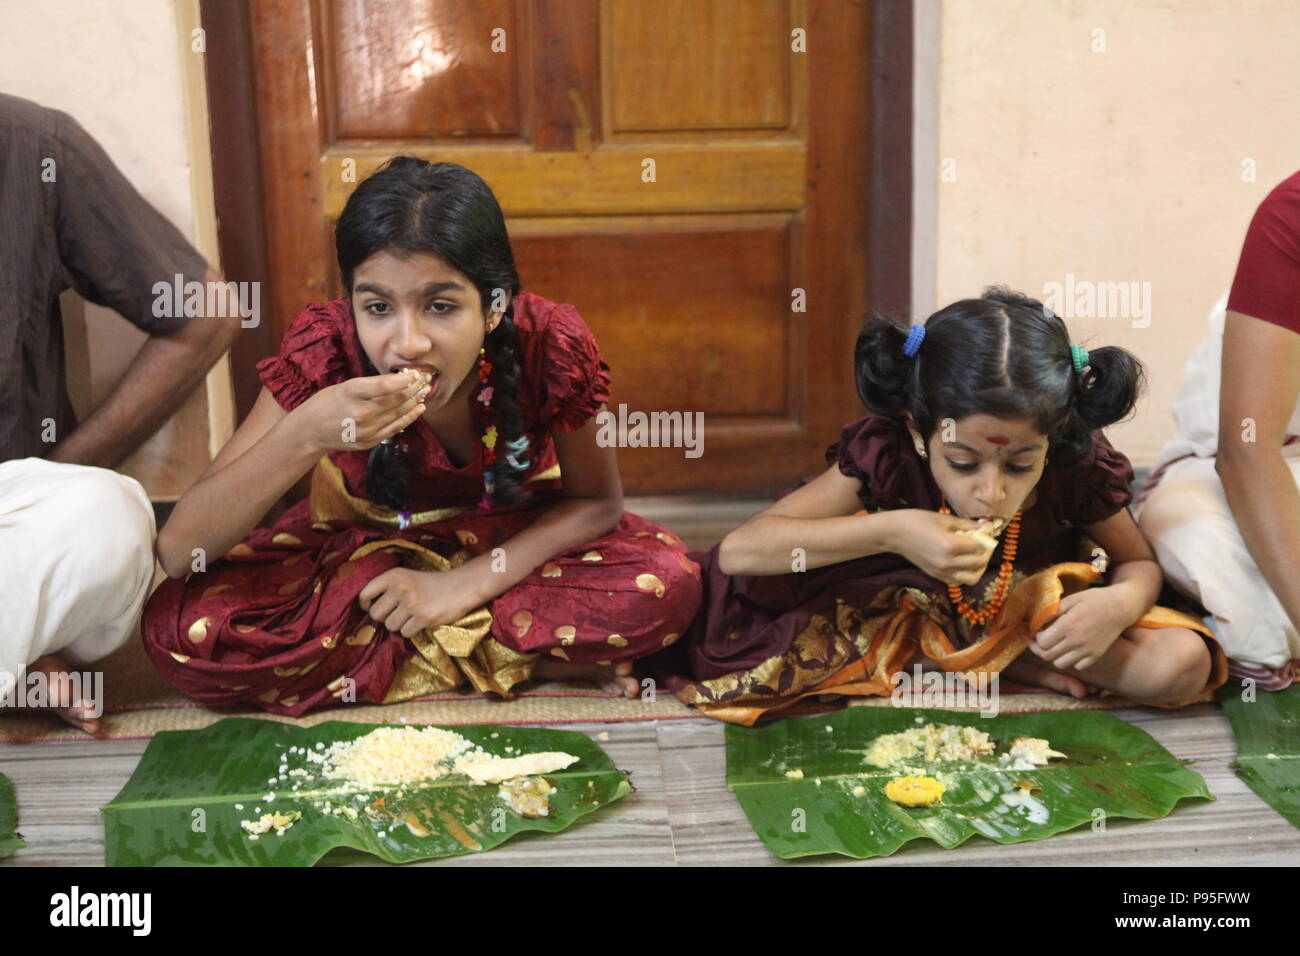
985	417
464	524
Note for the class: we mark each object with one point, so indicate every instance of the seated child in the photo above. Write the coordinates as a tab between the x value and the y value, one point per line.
984	417
463	522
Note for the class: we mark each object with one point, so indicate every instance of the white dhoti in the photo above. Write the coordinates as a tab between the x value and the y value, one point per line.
76	563
1201	551
1184	513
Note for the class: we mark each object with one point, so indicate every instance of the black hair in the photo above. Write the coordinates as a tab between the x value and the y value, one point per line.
1002	354
409	206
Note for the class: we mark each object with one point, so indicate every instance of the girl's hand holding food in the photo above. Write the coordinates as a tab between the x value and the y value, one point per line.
954	550
362	412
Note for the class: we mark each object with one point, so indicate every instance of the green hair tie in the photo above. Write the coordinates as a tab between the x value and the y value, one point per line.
1079	355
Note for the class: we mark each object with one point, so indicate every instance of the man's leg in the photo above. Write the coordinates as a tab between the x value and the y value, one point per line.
76	564
1201	552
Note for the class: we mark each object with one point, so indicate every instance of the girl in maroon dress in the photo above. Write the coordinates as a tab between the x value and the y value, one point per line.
985	416
463	522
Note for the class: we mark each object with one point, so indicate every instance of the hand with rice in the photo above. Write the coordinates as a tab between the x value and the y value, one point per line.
952	549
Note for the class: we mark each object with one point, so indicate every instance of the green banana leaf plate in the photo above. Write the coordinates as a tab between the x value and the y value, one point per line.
9	839
187	799
1267	729
1112	770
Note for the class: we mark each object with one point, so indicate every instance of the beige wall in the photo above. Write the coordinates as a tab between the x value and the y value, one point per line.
1122	165
1115	166
125	71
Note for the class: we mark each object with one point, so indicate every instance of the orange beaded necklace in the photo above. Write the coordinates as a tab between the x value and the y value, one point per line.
978	616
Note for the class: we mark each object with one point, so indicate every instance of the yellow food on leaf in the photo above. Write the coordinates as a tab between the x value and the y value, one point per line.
914	791
277	821
528	796
392	755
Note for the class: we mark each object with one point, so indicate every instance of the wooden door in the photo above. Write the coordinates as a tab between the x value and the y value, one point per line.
730	282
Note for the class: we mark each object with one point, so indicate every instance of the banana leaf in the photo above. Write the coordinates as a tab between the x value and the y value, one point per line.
9	838
1267	729
186	800
1112	769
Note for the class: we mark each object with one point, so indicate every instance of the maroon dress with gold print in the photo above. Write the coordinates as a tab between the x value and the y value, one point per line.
276	622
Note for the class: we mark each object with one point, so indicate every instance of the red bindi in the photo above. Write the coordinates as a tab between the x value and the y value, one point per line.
997	439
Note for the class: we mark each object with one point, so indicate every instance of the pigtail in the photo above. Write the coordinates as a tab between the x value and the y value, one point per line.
1109	386
502	350
1105	392
884	374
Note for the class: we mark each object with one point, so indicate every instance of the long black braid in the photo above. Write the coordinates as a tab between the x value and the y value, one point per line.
388	473
508	471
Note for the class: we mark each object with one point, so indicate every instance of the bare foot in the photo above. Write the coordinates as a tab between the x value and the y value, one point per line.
612	678
78	711
1028	677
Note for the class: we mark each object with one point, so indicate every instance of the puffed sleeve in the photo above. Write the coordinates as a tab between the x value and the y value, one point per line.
575	380
871	450
1268	272
1097	487
311	357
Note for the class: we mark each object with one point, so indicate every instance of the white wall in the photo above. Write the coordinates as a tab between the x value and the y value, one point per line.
1122	165
125	71
116	68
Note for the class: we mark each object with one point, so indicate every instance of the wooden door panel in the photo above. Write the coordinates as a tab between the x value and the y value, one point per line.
398	71
687	276
718	65
668	318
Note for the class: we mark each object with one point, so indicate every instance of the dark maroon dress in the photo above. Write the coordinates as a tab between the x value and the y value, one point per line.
276	622
749	625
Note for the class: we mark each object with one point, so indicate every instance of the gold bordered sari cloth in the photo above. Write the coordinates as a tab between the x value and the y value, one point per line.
859	651
277	623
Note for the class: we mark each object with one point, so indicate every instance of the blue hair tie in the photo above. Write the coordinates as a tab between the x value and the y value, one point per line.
915	336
